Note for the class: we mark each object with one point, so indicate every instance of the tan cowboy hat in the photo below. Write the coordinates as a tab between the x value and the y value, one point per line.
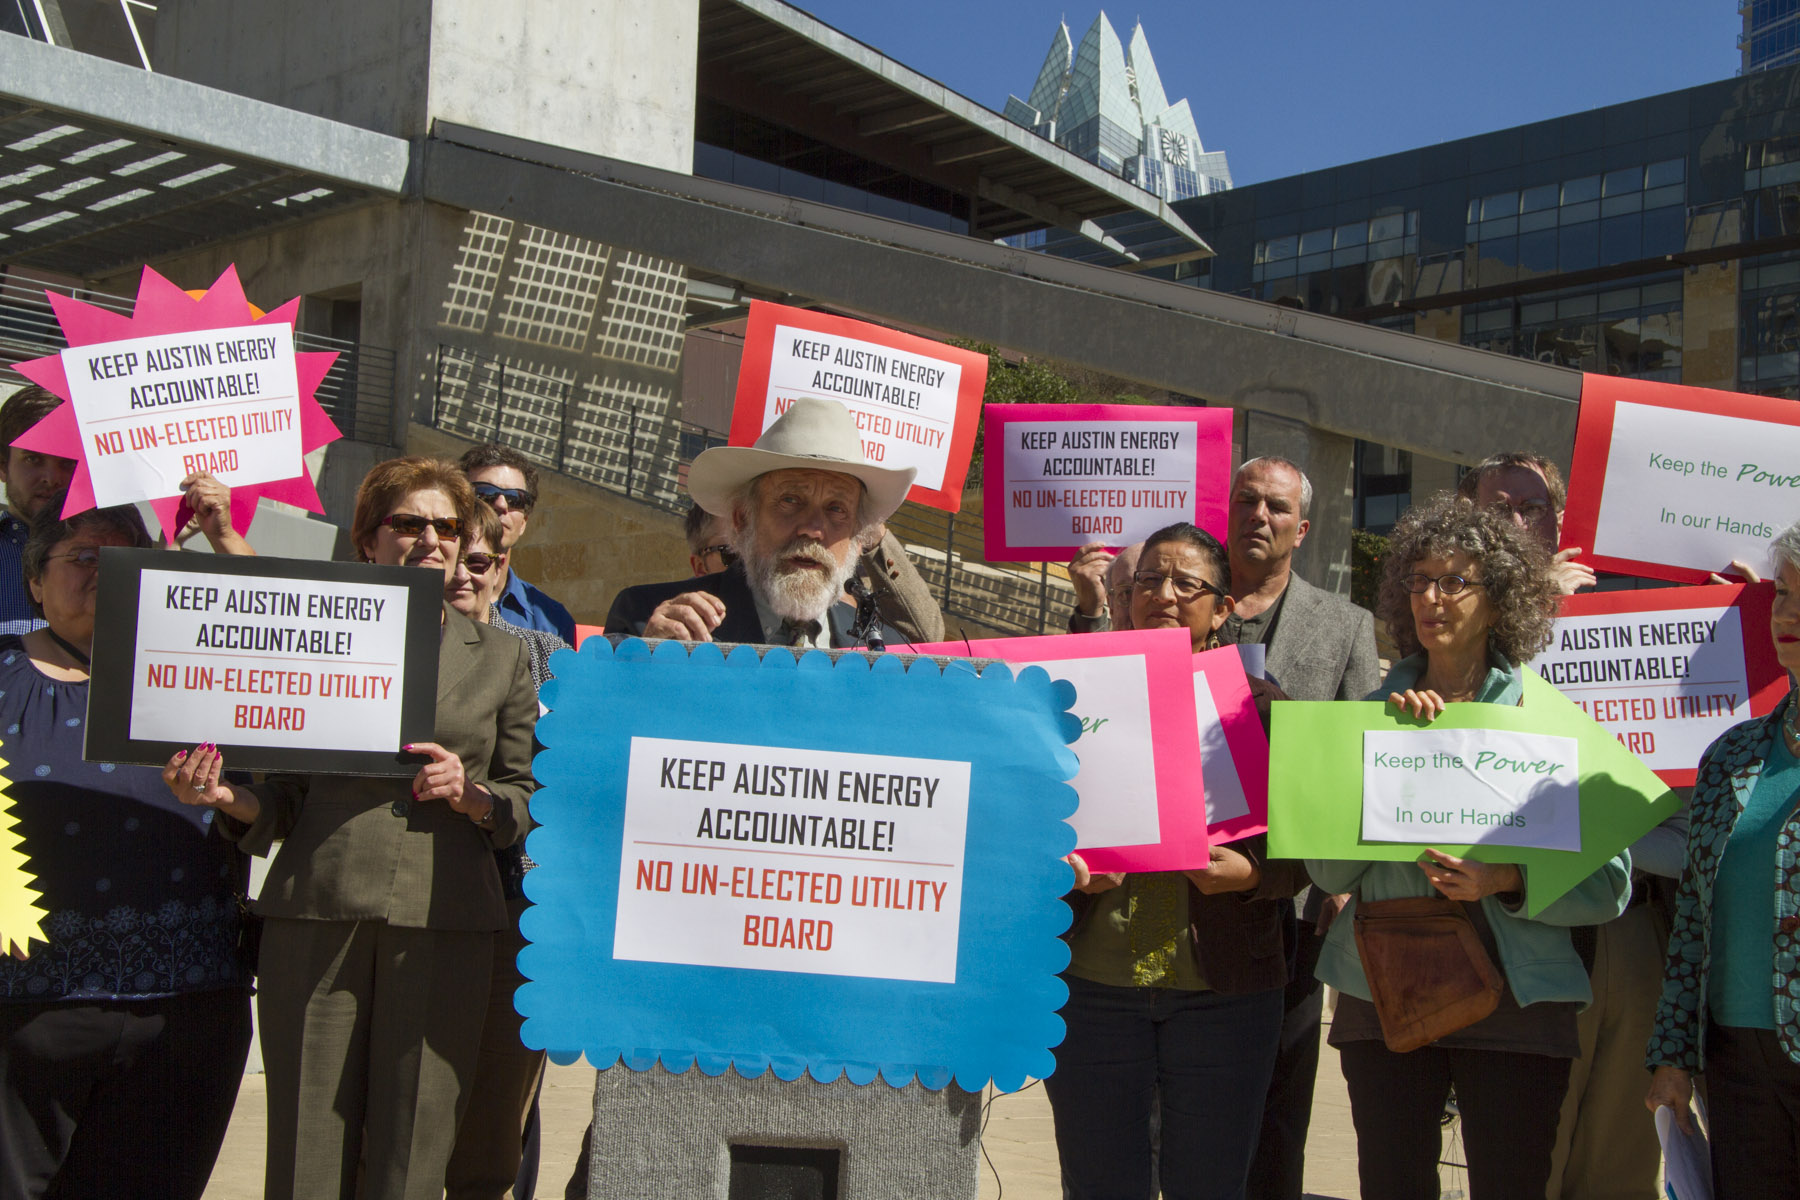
813	435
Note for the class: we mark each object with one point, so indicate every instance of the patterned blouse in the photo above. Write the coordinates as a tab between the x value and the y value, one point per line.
140	890
1728	773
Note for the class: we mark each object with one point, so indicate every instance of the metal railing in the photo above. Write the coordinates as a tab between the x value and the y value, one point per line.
638	450
357	393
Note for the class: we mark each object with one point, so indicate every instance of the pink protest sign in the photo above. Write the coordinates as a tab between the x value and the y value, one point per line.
1143	802
183	385
1058	476
1234	751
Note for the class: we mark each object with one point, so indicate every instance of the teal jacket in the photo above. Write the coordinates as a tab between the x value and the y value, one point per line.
1535	953
1728	773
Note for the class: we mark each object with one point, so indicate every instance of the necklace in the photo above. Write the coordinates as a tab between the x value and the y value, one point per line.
73	652
1789	725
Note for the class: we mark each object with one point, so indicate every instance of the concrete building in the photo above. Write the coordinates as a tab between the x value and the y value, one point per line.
529	222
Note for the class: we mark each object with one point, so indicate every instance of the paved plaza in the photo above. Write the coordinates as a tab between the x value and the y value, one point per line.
1019	1141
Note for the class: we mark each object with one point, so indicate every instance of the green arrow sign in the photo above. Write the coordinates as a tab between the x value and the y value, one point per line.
1315	786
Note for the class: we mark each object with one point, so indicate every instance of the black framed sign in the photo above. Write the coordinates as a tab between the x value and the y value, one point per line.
288	665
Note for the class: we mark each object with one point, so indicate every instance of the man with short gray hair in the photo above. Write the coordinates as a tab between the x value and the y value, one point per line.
1317	647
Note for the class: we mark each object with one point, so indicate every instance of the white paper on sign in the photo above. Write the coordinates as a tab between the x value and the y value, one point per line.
291	663
153	410
1666	684
1117	780
1256	658
1471	786
777	859
1073	482
1694	489
904	403
1225	799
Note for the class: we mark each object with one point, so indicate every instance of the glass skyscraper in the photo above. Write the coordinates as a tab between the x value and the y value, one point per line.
1771	36
1105	103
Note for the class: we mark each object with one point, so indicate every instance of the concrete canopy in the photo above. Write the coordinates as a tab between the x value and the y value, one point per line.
1435	398
104	166
773	59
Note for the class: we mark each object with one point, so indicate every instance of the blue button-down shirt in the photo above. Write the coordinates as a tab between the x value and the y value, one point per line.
15	602
523	604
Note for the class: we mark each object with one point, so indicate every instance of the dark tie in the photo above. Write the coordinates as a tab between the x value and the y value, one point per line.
799	633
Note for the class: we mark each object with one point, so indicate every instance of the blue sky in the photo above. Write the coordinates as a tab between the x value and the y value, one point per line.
1285	86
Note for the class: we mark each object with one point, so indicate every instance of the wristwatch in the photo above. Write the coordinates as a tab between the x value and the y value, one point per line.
492	815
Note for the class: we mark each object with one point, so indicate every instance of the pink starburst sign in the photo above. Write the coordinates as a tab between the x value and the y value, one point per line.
184	384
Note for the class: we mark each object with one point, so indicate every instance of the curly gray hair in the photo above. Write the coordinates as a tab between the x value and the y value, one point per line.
1512	566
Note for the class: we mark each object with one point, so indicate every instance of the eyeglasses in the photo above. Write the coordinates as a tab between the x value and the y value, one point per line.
517	499
1526	510
479	564
1447	585
87	558
727	555
449	529
1187	587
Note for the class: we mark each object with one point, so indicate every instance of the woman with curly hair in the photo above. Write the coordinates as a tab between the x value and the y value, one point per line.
1468	598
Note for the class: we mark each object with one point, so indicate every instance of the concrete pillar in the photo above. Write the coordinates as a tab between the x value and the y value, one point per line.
1329	461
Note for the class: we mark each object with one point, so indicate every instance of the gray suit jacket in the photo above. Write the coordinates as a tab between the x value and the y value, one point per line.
360	848
1324	646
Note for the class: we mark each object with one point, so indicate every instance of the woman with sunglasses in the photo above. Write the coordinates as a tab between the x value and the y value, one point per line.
137	997
1175	977
382	907
489	1143
1468	597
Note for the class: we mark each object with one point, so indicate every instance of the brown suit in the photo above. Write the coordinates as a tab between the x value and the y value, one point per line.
379	941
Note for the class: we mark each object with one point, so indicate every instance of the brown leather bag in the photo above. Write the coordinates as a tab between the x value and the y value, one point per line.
1428	973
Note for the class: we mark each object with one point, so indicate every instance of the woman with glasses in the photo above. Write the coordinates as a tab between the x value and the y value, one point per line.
1175	977
138	997
381	909
489	1142
1467	597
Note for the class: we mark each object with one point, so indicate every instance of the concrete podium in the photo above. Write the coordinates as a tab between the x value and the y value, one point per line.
660	1136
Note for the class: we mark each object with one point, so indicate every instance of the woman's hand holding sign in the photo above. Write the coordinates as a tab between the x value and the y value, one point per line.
443	779
196	777
1465	879
1087	881
1228	871
1422	703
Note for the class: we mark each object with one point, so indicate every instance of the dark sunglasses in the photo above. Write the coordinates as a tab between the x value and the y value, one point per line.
726	554
478	564
517	499
449	529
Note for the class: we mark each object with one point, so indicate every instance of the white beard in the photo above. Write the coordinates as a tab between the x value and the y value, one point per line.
796	595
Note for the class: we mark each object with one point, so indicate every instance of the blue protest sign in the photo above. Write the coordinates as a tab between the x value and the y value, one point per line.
799	866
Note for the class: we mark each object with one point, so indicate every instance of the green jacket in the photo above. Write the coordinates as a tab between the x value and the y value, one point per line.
1535	953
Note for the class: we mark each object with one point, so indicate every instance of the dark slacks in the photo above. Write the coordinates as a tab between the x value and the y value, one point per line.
1753	1099
1279	1169
370	1035
490	1141
1509	1105
118	1099
1206	1056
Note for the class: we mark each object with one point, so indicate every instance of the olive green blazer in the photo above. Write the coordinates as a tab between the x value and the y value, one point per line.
360	848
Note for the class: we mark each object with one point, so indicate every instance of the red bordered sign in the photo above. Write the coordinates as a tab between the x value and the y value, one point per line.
1058	476
1675	482
1667	670
915	400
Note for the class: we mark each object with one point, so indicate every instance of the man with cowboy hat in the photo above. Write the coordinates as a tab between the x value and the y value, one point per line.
802	504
